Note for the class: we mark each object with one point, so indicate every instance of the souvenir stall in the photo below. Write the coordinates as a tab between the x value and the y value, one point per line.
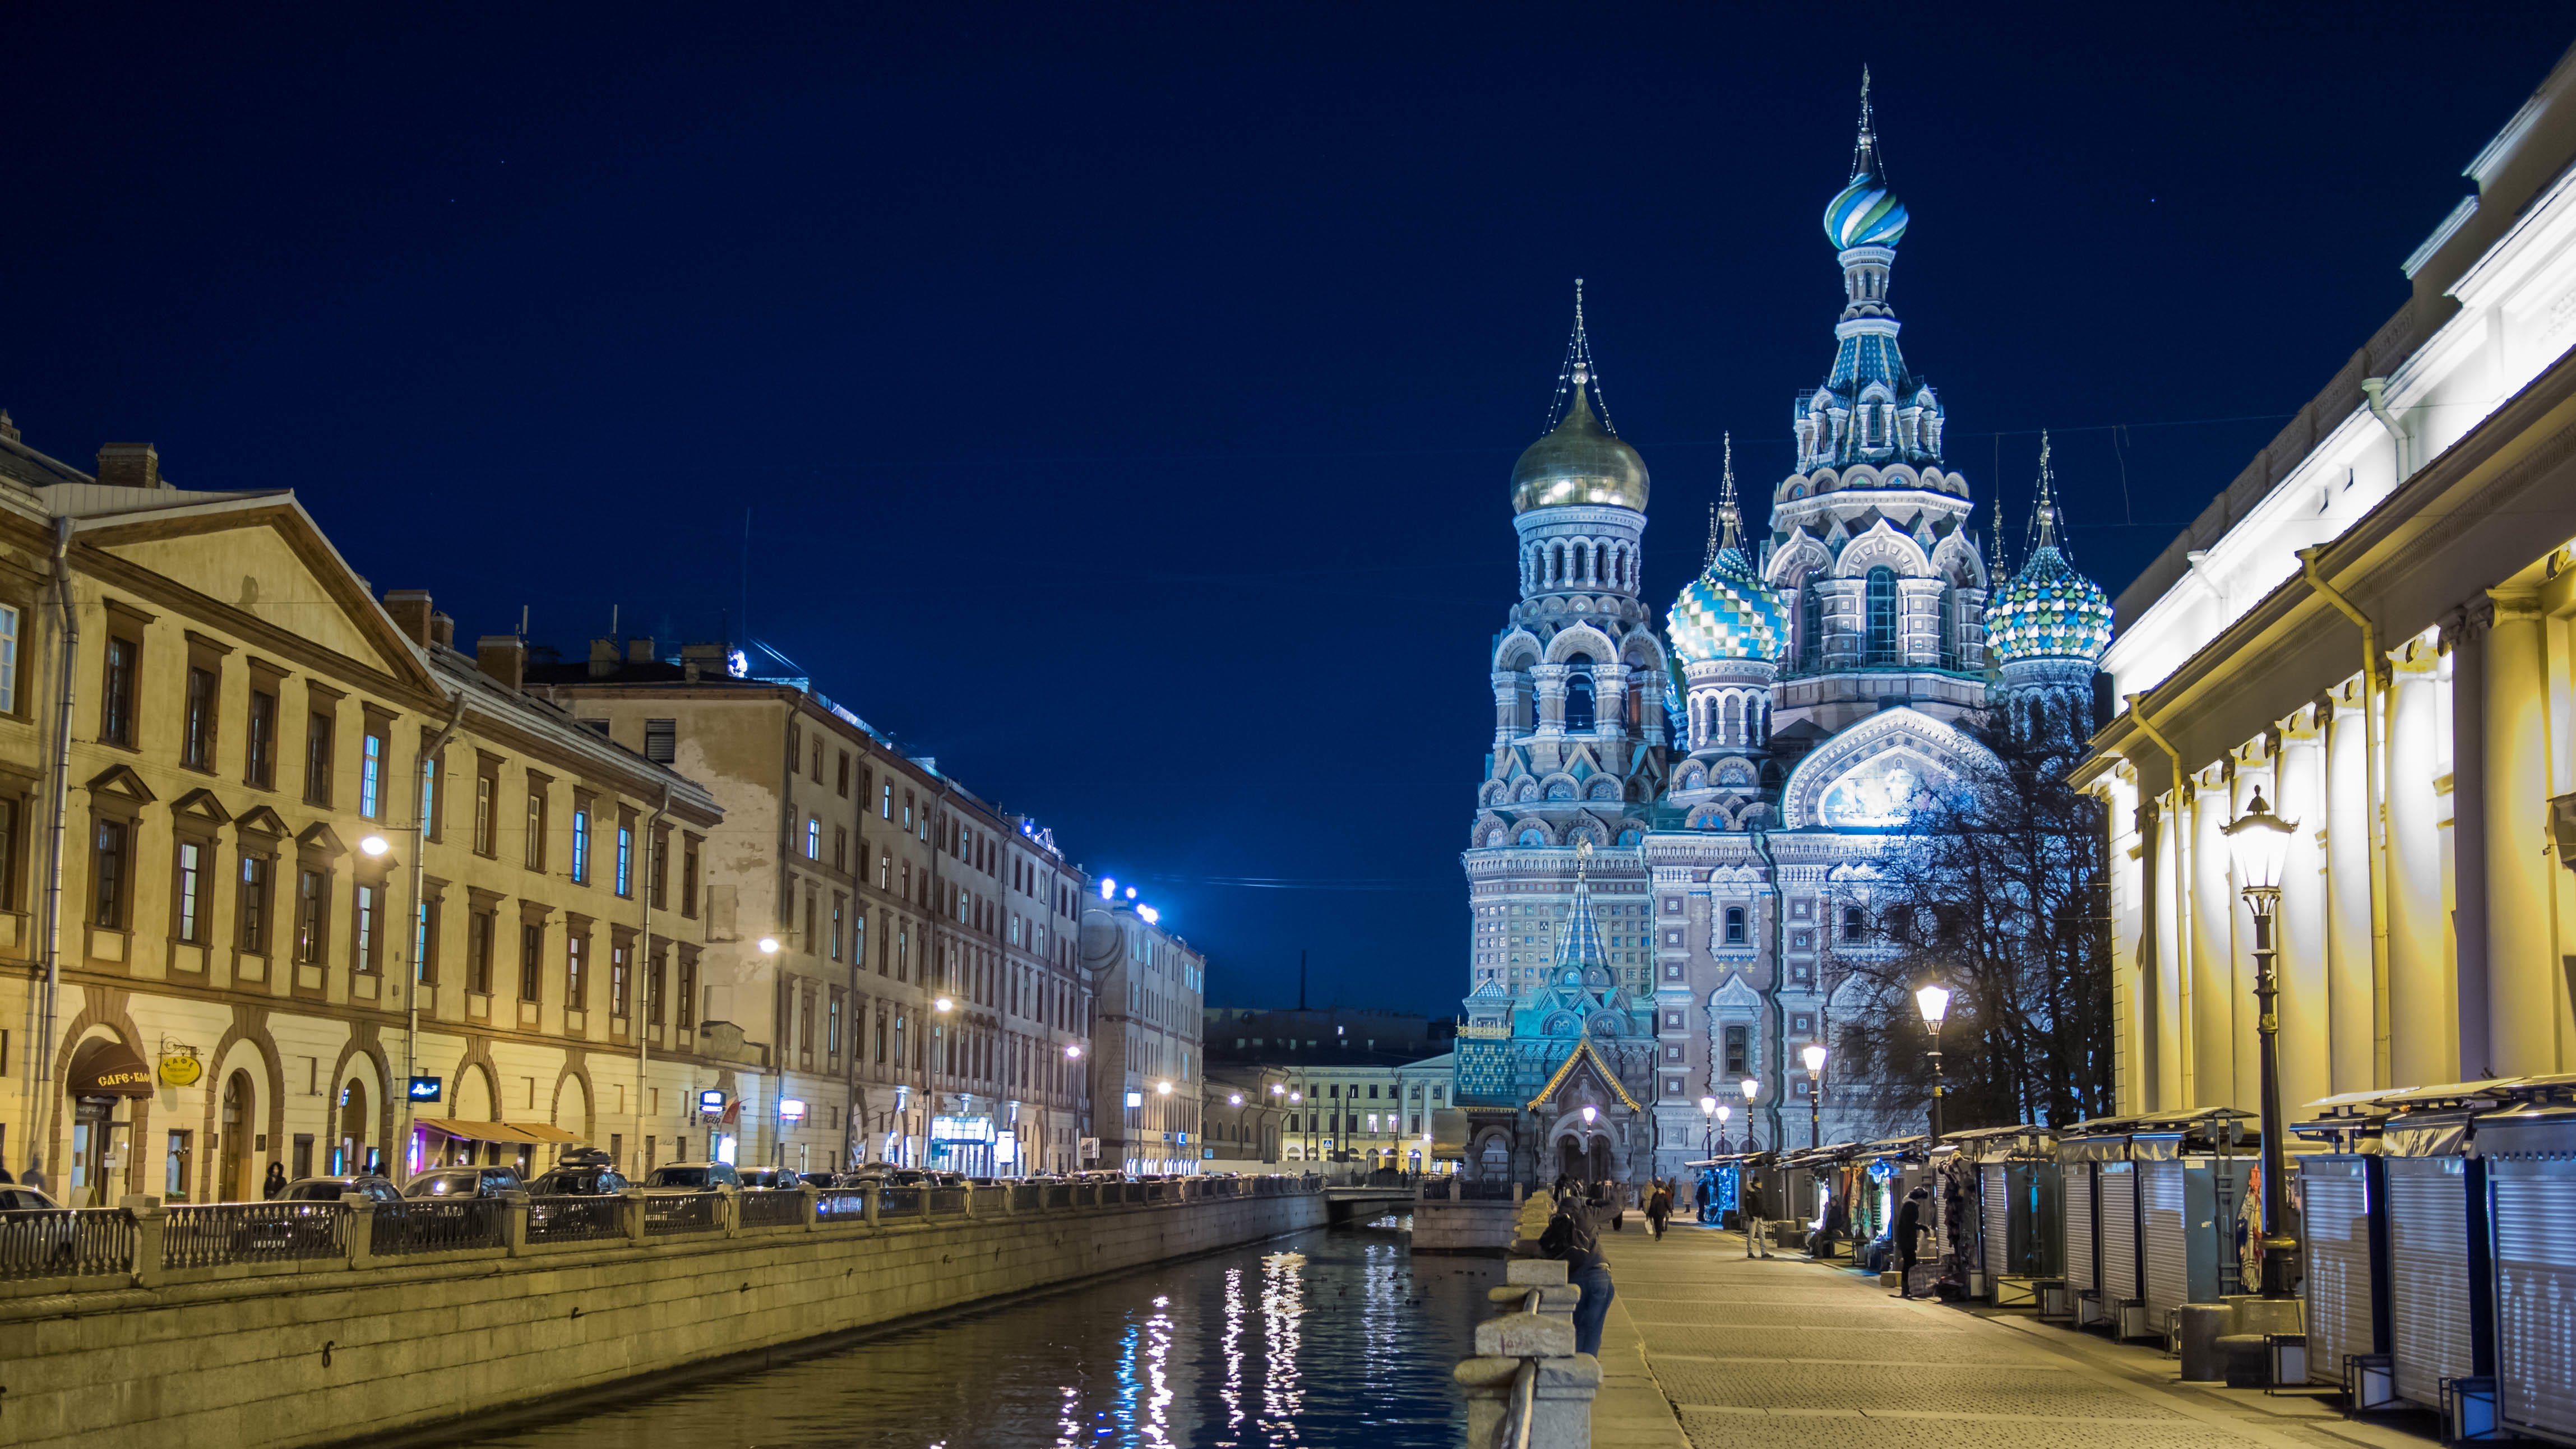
2341	1191
2441	1284
2195	1177
2101	1223
2016	1211
2530	1153
1882	1174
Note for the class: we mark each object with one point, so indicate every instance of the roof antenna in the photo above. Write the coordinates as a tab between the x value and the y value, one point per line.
523	621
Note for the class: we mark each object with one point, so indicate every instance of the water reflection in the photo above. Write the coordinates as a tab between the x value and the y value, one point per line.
1320	1341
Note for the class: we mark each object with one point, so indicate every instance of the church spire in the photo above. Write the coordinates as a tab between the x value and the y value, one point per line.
1578	371
2043	513
1865	160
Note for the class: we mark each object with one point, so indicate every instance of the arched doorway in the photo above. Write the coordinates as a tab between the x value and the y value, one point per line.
232	1151
1581	1162
352	1151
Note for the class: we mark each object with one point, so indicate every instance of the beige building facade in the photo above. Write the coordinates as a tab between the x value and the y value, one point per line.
245	805
1149	1060
2375	628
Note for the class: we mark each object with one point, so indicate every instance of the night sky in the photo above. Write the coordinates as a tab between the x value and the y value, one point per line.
1124	401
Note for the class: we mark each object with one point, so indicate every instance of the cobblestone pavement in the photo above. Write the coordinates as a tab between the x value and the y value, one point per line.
1706	1349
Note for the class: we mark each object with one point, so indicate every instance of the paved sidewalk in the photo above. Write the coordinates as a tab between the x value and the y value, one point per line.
1707	1349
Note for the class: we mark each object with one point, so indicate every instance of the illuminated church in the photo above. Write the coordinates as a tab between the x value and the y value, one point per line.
1674	855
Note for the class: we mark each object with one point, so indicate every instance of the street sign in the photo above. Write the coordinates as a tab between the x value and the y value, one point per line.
711	1102
427	1089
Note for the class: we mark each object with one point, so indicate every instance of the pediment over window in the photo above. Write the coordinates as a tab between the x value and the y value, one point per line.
119	782
319	836
200	804
263	821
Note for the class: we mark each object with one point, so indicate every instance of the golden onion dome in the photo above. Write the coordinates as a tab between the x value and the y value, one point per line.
1579	463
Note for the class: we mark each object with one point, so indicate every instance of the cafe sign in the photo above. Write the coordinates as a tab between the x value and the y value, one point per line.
180	1067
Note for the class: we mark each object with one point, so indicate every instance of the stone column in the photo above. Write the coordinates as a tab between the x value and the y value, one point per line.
633	1214
2217	1017
2467	637
2521	1025
1549	681
1507	693
2298	775
2352	1025
151	1228
2422	1035
1918	622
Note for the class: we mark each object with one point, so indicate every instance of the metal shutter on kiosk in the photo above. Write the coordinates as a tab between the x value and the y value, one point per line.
2535	1266
2160	1193
2119	1233
2428	1275
2338	1265
1994	1214
2079	1227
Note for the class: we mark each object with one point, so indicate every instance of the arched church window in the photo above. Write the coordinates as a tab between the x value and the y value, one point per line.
1735	925
1880	601
1811	625
1739	1051
1578	703
1949	627
1855	924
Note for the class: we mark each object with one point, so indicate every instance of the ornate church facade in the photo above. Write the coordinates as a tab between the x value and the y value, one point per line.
1677	842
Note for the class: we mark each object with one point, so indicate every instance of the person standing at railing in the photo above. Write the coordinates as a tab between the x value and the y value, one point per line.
273	1184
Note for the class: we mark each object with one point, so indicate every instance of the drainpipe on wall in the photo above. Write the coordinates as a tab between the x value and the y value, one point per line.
641	973
2374	784
419	929
40	1063
2374	391
2186	815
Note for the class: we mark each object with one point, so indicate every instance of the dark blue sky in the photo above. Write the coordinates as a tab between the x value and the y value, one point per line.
1124	400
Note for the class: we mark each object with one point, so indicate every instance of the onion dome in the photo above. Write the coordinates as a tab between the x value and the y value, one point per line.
2048	610
1727	612
1865	213
1579	462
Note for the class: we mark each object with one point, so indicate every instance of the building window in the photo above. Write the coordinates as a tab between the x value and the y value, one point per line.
617	981
1881	604
371	775
8	659
260	766
689	876
842	787
813	838
487	822
424	944
254	905
832	1023
114	838
576	950
885	804
197	737
836	926
192	914
1855	924
688	997
532	960
661	870
1739	1063
840	848
626	860
1811	624
1949	628
481	927
317	759
312	894
369	897
661	740
1578	703
1735	925
581	845
429	797
536	844
116	705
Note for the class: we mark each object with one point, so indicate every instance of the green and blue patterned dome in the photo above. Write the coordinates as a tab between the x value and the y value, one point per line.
1865	214
1728	612
2048	611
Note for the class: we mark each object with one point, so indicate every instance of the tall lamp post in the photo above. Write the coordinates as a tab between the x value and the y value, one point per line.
1814	1056
1708	1110
1934	1002
2259	841
1752	1089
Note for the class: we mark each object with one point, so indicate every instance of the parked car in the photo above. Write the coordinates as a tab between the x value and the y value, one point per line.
692	1177
762	1179
310	1220
465	1182
578	1179
331	1189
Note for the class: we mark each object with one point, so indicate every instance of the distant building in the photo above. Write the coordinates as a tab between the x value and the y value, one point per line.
1147	1065
1242	1034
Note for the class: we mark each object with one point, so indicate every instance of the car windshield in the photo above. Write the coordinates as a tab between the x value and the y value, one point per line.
441	1186
317	1191
679	1177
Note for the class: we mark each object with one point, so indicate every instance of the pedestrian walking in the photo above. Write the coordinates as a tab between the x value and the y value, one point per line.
1704	1197
273	1184
1573	1236
1659	1208
1909	1223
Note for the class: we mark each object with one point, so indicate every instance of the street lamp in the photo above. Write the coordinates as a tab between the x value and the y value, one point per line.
1814	1056
1708	1126
1752	1089
1934	1002
2259	842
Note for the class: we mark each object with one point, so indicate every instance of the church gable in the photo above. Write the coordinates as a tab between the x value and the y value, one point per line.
250	564
1873	775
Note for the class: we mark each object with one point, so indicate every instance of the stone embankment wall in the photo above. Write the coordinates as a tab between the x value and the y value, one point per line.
317	1353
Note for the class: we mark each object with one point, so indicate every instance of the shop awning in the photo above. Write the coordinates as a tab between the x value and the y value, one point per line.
104	1068
466	1130
542	1132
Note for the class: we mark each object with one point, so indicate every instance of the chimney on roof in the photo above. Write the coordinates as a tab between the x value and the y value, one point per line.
603	658
129	465
410	610
442	630
703	660
504	657
640	651
8	426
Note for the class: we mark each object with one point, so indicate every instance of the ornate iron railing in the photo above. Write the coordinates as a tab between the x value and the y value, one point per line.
210	1234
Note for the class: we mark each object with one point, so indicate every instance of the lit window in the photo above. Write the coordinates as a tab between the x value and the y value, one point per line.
813	838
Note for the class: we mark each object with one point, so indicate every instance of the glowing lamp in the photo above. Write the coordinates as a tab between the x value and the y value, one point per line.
375	845
943	1004
2258	841
1934	1002
1707	1105
769	945
1589	1113
1814	1056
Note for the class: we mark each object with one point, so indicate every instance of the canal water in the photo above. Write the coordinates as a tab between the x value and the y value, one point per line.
1330	1339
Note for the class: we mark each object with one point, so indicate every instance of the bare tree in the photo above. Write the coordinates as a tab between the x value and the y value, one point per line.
2000	892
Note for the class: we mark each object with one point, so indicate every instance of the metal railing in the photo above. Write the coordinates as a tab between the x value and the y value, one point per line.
1027	1197
436	1225
841	1204
680	1212
1057	1194
589	1218
948	1200
208	1235
779	1208
988	1200
900	1202
65	1242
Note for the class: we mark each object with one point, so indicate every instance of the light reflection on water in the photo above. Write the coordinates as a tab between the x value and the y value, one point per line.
1324	1340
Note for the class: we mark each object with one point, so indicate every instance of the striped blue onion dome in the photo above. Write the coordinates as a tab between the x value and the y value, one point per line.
1728	613
2048	611
1864	214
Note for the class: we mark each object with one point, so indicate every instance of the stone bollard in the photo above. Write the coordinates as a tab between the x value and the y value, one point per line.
1532	1354
1543	1276
729	1211
872	1198
361	1225
2197	1327
812	1218
634	1214
514	1223
151	1224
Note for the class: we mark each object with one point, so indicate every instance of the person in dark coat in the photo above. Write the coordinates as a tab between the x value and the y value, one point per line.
1574	1235
274	1183
1659	1208
1909	1223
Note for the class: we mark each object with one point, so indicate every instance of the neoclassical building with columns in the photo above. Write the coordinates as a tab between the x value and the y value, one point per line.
2372	627
1674	864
